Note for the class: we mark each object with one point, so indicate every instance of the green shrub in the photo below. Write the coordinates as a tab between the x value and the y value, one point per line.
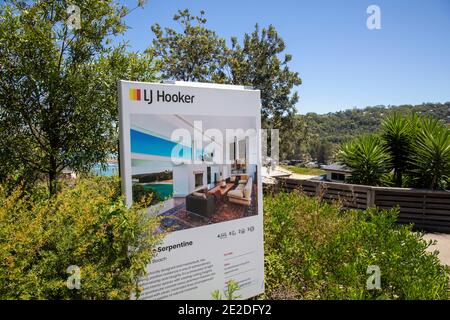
430	156
146	197
368	158
413	151
159	176
397	133
229	293
86	225
315	250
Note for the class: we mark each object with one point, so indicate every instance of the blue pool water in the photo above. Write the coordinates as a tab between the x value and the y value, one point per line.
164	190
112	169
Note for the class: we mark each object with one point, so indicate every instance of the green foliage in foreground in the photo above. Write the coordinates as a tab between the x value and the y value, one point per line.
87	225
315	250
146	197
229	293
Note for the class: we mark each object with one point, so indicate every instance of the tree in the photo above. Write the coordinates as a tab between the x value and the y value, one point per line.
418	152
368	158
320	151
257	63
195	54
324	152
342	126
397	134
430	156
58	85
297	145
199	54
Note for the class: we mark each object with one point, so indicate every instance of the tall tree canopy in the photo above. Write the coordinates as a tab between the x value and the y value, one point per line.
197	53
257	63
58	85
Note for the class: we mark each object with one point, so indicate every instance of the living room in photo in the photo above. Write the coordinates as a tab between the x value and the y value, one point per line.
201	169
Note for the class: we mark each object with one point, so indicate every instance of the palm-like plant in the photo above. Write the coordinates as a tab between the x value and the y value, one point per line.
368	158
397	134
430	160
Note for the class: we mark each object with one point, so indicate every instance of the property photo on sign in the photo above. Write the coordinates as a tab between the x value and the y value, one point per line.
250	150
196	187
190	153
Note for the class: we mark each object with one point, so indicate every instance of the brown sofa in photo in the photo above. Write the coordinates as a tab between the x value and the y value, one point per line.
237	178
201	204
242	194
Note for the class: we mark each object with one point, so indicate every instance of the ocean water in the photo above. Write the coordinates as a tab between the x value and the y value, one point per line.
111	169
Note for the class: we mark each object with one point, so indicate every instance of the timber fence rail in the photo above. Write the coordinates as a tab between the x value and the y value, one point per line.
427	209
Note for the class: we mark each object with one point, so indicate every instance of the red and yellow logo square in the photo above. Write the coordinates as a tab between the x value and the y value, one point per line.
135	94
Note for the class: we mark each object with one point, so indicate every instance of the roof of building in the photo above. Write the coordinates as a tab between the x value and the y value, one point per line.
337	167
274	173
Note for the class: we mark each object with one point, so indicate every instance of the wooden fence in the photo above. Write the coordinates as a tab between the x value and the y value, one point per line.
427	210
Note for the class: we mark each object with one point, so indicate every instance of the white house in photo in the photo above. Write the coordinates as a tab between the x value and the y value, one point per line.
196	165
336	172
194	151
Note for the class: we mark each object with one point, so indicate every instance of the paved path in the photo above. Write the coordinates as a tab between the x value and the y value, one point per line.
296	175
442	245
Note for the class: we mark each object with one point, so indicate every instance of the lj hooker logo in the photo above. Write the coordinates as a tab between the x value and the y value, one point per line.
160	96
135	94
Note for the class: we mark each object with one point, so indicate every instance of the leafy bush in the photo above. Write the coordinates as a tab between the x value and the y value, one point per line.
315	250
430	156
413	151
397	132
146	197
86	225
229	293
368	158
159	176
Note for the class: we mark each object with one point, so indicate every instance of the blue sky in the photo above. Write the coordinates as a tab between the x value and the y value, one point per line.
342	63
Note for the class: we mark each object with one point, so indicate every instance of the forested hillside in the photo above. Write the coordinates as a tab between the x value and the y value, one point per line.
344	125
323	133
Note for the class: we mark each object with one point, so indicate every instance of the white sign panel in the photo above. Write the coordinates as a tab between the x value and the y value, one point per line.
196	149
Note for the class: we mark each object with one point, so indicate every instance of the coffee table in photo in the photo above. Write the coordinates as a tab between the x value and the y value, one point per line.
223	190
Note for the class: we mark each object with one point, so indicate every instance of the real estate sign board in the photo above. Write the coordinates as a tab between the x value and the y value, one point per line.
196	149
